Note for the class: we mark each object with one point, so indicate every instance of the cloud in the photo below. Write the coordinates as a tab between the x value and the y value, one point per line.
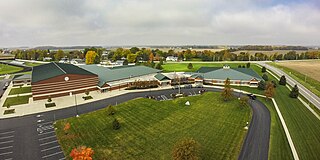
146	22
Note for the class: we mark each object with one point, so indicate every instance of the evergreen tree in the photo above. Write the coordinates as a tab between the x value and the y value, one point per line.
158	66
283	80
262	85
248	65
190	66
265	77
264	69
294	92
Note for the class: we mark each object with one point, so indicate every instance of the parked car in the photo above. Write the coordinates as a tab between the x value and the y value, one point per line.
252	96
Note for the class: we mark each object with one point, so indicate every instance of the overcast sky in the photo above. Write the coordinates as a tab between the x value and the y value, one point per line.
158	22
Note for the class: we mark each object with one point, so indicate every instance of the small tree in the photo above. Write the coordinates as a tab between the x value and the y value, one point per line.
111	110
49	99
262	85
294	92
8	105
243	66
190	66
66	127
239	66
248	65
81	153
86	92
116	124
265	77
227	91
186	149
158	66
269	92
125	62
244	101
264	69
161	61
283	80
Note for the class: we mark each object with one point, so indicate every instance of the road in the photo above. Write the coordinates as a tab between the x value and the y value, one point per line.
2	83
33	137
311	97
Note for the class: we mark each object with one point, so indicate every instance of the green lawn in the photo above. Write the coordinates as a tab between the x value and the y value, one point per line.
183	67
312	84
32	64
149	128
16	100
303	126
20	90
6	69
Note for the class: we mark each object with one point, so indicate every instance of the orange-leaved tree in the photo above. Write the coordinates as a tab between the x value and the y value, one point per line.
90	56
82	153
66	127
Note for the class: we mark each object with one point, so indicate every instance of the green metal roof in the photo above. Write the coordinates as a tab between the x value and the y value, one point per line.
161	77
207	69
231	74
108	75
50	70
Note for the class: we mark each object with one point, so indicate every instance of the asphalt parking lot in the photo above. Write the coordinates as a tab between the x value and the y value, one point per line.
6	144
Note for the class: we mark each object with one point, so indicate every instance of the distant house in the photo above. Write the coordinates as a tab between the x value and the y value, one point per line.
119	62
171	58
47	59
77	61
64	60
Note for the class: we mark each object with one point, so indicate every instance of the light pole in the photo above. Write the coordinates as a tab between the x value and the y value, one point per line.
75	100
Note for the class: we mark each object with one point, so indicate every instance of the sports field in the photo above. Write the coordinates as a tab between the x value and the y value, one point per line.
149	128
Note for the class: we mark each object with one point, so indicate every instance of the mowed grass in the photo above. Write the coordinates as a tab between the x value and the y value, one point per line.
32	64
303	126
149	128
20	90
16	100
308	74
183	67
6	69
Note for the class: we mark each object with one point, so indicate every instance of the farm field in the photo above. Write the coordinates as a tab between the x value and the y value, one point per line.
305	72
252	52
6	69
151	128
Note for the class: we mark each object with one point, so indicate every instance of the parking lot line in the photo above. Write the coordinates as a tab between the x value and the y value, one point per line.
52	154
8	159
47	138
7	132
48	143
46	133
50	148
6	137
6	142
45	123
6	147
1	154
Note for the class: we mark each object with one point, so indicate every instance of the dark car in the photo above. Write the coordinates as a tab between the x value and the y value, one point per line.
252	96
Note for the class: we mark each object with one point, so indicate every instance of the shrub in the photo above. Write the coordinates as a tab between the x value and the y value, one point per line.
262	85
264	69
49	99
158	66
239	66
190	66
86	92
186	149
294	92
248	65
111	110
265	77
283	80
116	124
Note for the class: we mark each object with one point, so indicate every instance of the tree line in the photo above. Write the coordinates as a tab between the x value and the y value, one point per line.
136	54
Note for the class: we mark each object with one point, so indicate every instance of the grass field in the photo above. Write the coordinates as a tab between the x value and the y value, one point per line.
6	69
31	64
149	129
183	67
303	126
305	72
20	90
16	100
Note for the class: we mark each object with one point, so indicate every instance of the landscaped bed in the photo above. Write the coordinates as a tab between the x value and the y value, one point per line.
150	129
9	111
20	90
16	100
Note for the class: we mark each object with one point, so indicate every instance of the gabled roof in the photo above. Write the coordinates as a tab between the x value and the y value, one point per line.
108	75
207	69
231	74
161	77
50	70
